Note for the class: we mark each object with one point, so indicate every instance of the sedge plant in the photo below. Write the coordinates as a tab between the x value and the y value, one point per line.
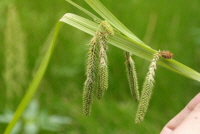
123	38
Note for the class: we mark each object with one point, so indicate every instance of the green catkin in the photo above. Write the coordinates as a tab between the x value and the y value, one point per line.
103	68
132	76
91	69
147	90
96	64
105	31
103	79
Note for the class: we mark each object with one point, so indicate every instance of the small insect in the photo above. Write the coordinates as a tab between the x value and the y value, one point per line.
166	54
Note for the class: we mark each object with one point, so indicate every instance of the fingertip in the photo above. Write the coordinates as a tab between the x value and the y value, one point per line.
166	130
190	125
192	104
197	107
198	94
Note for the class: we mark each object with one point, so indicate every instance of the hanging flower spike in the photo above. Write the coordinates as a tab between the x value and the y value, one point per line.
132	76
91	69
105	31
147	90
98	43
102	72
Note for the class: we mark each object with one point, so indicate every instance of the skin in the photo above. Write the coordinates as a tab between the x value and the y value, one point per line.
187	121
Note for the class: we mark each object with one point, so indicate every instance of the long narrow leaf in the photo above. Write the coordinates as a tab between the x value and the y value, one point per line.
108	16
129	45
85	11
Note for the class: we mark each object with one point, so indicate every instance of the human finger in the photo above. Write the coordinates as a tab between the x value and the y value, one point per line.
191	124
176	121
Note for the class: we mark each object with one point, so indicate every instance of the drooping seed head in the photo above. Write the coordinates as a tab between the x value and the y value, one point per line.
147	90
132	76
91	69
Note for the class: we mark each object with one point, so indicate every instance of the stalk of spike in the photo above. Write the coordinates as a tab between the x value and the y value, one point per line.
132	76
147	90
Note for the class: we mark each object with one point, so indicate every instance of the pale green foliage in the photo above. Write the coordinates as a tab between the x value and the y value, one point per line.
128	43
147	90
132	76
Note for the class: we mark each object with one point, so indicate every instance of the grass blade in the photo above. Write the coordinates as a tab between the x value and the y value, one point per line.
34	84
108	16
129	45
85	11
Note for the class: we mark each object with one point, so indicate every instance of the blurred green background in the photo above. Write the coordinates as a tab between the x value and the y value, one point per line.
57	106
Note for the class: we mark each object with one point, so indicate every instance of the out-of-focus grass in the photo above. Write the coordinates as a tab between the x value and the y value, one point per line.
176	29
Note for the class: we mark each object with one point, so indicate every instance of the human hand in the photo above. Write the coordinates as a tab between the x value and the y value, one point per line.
187	121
